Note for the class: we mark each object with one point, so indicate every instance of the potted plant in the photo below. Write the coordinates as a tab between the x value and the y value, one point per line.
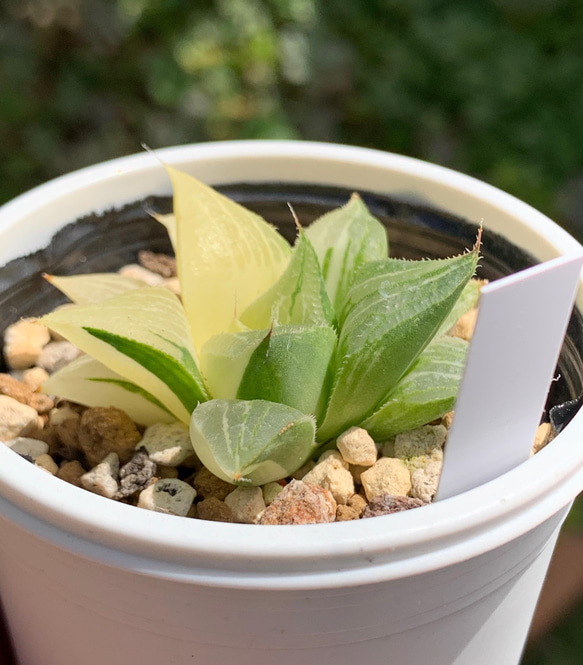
148	586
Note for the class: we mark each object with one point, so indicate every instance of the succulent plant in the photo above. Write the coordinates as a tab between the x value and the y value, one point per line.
272	351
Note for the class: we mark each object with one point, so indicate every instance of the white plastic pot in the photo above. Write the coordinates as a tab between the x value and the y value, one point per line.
86	580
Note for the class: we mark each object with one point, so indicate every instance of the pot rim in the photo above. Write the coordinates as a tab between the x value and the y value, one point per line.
328	555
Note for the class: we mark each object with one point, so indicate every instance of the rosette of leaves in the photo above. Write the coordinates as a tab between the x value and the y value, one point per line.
271	351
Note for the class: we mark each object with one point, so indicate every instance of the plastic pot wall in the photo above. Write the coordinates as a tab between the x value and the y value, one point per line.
87	580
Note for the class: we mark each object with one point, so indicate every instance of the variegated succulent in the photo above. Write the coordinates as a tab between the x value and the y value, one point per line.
272	351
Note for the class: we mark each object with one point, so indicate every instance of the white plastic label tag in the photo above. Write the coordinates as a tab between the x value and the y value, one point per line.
521	324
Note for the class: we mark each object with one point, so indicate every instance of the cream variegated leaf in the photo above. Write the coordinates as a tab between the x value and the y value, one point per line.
93	288
89	382
144	337
227	256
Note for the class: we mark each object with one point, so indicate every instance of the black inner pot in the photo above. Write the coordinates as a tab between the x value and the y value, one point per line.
101	243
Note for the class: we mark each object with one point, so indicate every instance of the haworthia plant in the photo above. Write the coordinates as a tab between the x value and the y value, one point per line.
332	332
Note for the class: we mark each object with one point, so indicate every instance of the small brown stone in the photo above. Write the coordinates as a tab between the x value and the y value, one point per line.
208	485
41	403
358	502
300	503
105	430
213	510
68	432
345	514
136	474
10	387
71	472
161	264
385	504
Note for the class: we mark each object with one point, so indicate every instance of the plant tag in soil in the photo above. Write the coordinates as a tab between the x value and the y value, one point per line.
514	351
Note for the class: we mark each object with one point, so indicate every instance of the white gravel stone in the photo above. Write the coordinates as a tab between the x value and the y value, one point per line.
103	478
34	378
246	504
142	274
167	444
47	463
357	447
15	418
424	481
270	491
388	476
31	447
56	355
23	343
332	474
168	495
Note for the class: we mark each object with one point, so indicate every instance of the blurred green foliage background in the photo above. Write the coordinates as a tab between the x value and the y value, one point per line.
493	88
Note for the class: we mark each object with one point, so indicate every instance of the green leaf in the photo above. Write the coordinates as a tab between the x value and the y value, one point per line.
144	337
227	256
468	299
391	313
288	364
291	366
299	296
426	392
251	442
86	381
93	288
345	239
